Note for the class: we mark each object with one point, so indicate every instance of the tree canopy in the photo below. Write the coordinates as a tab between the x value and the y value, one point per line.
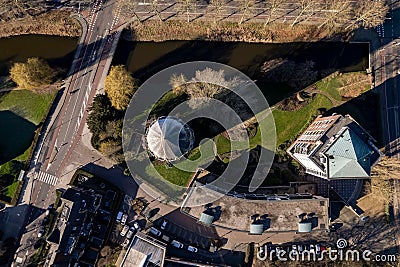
101	111
120	87
35	72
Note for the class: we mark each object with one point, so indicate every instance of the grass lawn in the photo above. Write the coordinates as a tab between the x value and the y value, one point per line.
181	172
173	174
27	106
290	123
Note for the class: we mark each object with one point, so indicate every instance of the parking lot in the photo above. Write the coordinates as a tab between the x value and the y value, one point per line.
185	236
129	214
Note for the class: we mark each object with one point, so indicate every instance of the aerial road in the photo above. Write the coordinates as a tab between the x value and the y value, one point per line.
66	124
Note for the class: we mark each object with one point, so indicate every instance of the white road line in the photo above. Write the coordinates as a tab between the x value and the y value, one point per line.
46	178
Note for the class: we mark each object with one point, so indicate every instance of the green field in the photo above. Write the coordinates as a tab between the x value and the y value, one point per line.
21	112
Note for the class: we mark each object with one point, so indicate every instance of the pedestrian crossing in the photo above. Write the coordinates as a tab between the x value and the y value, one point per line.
380	30
46	178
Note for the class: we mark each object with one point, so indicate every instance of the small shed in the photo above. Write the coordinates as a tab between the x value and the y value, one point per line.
206	219
304	227
256	228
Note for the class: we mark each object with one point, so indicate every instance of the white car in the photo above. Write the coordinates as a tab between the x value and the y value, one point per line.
119	216
124	218
192	249
130	232
177	244
124	230
40	233
164	224
136	225
155	231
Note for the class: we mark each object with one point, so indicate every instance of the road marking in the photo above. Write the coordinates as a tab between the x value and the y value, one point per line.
46	178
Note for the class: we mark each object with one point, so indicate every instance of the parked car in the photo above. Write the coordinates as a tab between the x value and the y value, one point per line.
278	251
119	216
124	230
40	233
155	231
136	225
318	248
45	221
177	244
130	233
124	218
192	249
294	249
164	224
166	238
126	243
261	251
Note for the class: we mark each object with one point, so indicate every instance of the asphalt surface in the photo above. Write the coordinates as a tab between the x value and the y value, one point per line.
388	78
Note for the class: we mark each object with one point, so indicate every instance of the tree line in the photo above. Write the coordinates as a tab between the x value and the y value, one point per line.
330	14
105	119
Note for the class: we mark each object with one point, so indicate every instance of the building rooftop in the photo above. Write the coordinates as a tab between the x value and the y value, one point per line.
239	214
144	251
169	138
78	235
335	147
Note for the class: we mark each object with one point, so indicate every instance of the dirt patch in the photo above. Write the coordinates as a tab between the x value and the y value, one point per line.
292	103
353	84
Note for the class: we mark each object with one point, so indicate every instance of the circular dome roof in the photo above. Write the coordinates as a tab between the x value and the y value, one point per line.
168	138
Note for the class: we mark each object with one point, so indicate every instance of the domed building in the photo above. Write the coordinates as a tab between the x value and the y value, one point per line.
169	138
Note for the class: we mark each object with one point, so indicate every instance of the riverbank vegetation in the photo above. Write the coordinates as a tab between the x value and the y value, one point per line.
50	23
33	73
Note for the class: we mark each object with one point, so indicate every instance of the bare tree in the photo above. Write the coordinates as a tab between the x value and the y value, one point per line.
218	7
129	9
178	83
185	7
206	84
368	14
246	8
273	5
337	13
306	10
154	8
